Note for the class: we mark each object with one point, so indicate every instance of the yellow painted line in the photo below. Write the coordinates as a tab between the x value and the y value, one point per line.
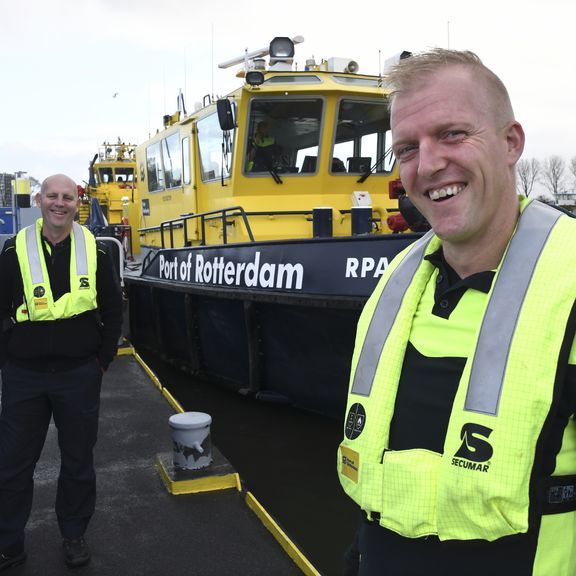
281	537
225	482
172	401
148	371
197	485
165	392
125	351
164	475
207	484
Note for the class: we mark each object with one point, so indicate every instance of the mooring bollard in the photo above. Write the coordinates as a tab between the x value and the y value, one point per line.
191	440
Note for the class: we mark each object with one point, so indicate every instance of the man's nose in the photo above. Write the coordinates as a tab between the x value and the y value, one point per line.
430	158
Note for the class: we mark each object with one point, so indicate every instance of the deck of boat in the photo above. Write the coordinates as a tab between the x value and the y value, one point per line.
139	527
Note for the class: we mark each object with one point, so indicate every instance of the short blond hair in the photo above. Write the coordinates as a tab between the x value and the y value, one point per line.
409	72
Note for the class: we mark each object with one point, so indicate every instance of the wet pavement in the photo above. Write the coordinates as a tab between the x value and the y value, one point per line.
285	456
139	528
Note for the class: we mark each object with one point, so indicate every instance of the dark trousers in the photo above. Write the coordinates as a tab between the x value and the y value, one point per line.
386	553
29	400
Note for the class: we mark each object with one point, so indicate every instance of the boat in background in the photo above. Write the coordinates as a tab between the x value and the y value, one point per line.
110	198
267	218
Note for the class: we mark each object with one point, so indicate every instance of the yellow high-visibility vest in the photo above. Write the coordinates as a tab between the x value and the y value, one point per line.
482	485
39	302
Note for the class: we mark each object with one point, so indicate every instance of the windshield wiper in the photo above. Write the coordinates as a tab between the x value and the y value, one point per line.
274	174
270	165
366	174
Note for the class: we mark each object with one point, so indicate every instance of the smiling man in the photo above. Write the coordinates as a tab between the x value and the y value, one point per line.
59	203
460	440
61	314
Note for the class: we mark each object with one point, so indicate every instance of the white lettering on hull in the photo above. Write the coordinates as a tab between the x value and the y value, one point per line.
366	267
219	271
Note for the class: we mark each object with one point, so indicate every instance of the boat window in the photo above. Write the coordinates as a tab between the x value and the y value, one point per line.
301	79
154	168
374	82
283	136
171	160
214	163
186	159
105	175
123	174
363	139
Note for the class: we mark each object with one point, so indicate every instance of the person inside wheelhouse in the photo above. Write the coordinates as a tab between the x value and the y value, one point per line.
284	137
262	149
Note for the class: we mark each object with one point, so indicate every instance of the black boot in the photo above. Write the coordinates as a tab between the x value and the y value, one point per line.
9	560
76	552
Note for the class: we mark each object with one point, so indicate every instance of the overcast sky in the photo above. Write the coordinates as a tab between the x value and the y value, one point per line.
63	60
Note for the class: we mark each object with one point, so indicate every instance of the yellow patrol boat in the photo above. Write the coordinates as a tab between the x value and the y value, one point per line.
267	217
112	183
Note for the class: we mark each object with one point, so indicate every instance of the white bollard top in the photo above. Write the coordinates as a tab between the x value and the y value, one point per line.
190	420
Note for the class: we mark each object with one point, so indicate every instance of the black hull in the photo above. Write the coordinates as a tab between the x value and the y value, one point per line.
287	344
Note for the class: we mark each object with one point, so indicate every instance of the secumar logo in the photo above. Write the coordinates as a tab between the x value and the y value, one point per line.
475	451
84	283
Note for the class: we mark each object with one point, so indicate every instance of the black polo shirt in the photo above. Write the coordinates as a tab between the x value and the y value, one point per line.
60	344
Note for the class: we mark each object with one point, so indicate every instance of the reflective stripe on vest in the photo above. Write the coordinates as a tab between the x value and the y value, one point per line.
384	316
80	245
499	323
33	256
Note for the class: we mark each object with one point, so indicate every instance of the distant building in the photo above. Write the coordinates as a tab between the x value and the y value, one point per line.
6	189
566	200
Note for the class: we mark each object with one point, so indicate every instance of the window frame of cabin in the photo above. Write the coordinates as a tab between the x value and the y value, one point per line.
225	168
186	166
295	158
158	167
358	151
105	171
171	151
127	172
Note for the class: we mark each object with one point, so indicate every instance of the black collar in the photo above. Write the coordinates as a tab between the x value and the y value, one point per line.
59	245
481	281
450	287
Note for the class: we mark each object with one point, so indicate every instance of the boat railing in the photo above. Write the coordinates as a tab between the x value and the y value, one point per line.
182	222
122	233
280	213
224	215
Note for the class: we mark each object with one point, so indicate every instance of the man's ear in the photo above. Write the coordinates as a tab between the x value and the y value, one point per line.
515	139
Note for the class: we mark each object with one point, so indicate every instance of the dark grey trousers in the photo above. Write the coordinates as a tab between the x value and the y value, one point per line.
29	400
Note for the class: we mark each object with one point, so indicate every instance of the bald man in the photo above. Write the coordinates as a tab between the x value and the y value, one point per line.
61	313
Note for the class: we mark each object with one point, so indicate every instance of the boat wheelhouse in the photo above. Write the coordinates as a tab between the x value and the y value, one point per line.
267	217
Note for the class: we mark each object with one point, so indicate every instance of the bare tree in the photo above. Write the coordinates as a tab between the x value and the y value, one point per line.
553	174
35	184
527	171
572	168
